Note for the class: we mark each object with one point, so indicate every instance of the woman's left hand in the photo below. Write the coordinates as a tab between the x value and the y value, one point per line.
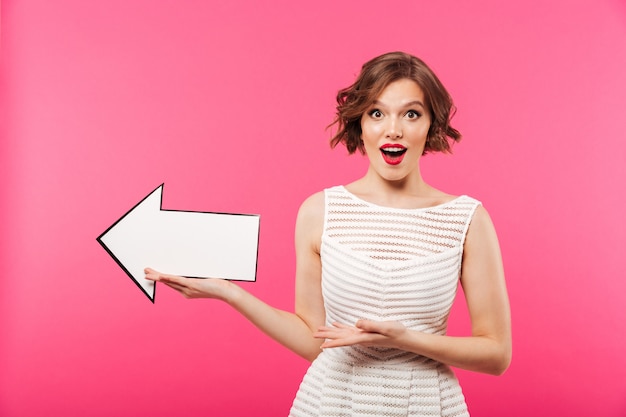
364	332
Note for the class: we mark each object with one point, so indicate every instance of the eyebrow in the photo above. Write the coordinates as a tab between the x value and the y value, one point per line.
409	104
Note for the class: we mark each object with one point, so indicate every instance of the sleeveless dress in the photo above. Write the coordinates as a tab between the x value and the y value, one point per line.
381	263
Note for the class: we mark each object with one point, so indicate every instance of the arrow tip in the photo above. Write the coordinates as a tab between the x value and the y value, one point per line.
123	240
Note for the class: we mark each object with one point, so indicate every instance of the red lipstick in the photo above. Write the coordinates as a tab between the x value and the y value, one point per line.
393	153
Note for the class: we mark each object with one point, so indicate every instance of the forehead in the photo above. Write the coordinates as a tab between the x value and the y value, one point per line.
401	91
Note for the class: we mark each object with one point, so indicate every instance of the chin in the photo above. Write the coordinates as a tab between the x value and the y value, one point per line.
395	177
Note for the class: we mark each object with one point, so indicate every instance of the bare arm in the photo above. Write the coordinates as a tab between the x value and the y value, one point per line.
488	349
293	330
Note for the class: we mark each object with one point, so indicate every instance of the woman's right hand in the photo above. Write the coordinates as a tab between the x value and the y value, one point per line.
193	287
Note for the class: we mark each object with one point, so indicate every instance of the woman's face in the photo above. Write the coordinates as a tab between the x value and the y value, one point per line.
394	130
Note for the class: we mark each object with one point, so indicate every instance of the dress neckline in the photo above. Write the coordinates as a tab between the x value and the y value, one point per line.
369	203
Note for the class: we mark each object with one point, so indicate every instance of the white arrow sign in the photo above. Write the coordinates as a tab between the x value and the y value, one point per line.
188	243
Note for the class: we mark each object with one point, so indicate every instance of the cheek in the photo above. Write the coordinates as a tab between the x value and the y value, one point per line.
370	130
422	129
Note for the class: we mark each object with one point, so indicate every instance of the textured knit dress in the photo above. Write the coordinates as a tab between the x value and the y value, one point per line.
386	264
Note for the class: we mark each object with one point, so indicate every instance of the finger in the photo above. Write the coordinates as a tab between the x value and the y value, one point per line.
368	325
328	328
326	333
318	335
182	281
343	341
174	285
333	343
321	331
180	289
329	344
153	275
342	326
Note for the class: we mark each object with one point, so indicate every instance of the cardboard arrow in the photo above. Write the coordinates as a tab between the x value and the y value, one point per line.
188	243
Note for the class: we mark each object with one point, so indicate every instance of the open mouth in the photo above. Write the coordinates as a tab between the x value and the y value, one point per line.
393	154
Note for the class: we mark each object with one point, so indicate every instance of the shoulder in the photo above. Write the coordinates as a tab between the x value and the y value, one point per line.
481	228
310	221
481	216
313	206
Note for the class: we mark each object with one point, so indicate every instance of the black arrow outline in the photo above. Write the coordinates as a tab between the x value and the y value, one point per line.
162	186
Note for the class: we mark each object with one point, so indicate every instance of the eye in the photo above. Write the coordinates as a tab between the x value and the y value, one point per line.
375	113
412	114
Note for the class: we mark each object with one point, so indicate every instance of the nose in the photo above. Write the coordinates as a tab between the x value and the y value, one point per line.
394	129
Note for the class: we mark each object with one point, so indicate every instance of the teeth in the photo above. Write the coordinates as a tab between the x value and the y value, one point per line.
393	149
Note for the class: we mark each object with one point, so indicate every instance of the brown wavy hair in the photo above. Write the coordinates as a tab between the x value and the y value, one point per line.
375	76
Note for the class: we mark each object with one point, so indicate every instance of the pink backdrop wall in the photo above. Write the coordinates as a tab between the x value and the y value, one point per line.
227	104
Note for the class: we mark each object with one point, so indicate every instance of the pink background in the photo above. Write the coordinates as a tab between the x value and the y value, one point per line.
227	103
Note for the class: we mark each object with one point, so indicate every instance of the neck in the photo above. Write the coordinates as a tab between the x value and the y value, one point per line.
413	184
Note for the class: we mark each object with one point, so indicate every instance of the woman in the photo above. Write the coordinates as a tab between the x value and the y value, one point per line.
378	262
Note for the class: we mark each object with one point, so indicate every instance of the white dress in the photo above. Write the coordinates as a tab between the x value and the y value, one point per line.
381	263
